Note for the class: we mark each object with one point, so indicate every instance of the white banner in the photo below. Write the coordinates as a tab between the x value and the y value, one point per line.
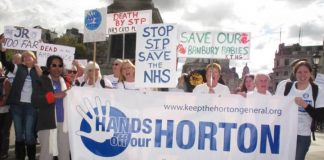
222	45
179	126
125	22
21	38
95	25
155	56
45	50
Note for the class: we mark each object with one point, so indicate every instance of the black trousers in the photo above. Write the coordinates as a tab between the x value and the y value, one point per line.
5	126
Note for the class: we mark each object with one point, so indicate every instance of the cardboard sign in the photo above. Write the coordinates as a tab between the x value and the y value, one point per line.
125	22
45	50
156	56
21	38
222	45
95	25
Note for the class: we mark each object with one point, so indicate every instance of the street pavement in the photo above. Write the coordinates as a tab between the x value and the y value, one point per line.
316	151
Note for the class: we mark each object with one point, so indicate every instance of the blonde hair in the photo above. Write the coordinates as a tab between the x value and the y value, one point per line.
214	65
28	53
123	64
93	65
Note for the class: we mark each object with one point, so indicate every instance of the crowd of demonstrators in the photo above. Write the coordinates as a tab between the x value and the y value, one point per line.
310	106
49	92
37	102
94	78
212	86
5	117
114	77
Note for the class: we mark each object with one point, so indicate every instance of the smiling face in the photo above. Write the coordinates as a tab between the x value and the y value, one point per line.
56	68
303	74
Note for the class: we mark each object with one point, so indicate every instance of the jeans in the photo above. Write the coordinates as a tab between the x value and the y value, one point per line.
5	125
303	143
24	117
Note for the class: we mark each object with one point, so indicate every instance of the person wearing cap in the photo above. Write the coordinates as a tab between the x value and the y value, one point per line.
292	77
212	86
113	78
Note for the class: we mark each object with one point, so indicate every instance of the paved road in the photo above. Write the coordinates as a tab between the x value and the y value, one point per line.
316	151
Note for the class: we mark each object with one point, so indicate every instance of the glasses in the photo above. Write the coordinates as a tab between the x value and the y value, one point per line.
74	72
57	65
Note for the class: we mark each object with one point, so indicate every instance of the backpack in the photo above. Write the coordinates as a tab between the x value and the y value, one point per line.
102	83
314	93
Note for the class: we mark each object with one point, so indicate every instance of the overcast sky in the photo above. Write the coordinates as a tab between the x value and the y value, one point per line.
264	19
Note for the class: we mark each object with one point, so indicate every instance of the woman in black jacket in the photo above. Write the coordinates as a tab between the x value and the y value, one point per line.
49	94
21	107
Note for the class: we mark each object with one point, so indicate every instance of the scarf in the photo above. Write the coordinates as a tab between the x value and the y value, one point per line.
53	147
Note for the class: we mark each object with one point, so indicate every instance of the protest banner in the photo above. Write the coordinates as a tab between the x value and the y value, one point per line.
21	38
45	50
222	45
95	25
156	56
125	22
179	126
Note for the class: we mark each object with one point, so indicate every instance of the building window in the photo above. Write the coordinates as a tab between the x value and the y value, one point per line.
277	73
277	63
286	62
286	73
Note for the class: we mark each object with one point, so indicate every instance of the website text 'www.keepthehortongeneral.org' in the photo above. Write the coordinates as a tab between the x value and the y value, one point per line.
240	110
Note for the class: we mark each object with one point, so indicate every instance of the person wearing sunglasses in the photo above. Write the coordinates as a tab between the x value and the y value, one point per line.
113	78
49	94
72	75
22	109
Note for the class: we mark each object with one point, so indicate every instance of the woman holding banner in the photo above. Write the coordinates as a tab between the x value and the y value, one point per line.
52	114
21	106
212	86
308	97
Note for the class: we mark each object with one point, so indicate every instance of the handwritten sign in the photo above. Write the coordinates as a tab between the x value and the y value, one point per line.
155	56
125	22
45	50
95	25
21	38
222	45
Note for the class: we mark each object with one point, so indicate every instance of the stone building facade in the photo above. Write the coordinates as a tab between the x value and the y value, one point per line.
286	54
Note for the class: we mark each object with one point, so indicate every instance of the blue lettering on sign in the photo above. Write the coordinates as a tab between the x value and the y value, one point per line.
180	134
115	132
241	138
93	20
157	76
